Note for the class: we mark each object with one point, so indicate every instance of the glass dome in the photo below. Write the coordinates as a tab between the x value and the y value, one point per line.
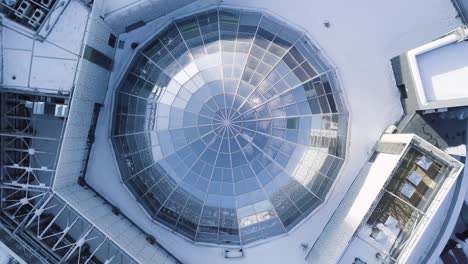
228	127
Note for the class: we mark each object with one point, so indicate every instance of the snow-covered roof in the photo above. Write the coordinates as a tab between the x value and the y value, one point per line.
439	71
363	71
48	65
444	72
366	225
355	205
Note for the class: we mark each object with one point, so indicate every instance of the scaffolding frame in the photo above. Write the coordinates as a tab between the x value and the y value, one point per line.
42	226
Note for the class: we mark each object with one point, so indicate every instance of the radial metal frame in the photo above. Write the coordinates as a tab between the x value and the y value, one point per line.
318	139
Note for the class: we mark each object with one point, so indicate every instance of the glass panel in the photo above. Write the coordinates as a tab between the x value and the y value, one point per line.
229	127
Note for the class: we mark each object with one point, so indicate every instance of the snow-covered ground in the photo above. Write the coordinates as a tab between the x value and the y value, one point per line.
47	66
362	38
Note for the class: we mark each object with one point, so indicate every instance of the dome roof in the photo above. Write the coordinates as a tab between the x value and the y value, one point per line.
229	127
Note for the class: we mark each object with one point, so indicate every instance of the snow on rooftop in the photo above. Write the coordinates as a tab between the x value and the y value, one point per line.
444	72
393	236
363	67
366	77
350	213
48	65
437	72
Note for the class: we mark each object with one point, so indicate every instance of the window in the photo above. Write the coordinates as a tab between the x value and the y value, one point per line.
292	123
112	40
97	58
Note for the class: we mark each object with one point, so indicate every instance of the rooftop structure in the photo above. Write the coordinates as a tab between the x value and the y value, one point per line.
37	17
182	131
406	180
434	76
229	127
31	14
38	222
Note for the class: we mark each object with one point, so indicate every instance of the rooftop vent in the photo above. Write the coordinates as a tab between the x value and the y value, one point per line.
233	253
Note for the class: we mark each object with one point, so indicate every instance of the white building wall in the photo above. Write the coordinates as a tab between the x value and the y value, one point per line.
91	83
73	149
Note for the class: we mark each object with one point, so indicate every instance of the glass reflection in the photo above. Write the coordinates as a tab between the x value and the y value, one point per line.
229	127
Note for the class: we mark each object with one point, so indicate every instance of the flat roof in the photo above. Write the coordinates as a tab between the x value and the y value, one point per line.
355	68
341	228
438	72
47	66
400	188
364	135
444	72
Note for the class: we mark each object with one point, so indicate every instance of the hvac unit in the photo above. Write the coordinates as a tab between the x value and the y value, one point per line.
38	108
23	9
61	110
36	17
233	253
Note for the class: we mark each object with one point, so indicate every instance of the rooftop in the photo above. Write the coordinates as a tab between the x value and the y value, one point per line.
100	88
434	74
229	133
405	181
444	72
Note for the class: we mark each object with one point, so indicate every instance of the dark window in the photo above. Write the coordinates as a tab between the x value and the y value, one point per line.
97	58
331	102
112	40
121	44
292	123
135	26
